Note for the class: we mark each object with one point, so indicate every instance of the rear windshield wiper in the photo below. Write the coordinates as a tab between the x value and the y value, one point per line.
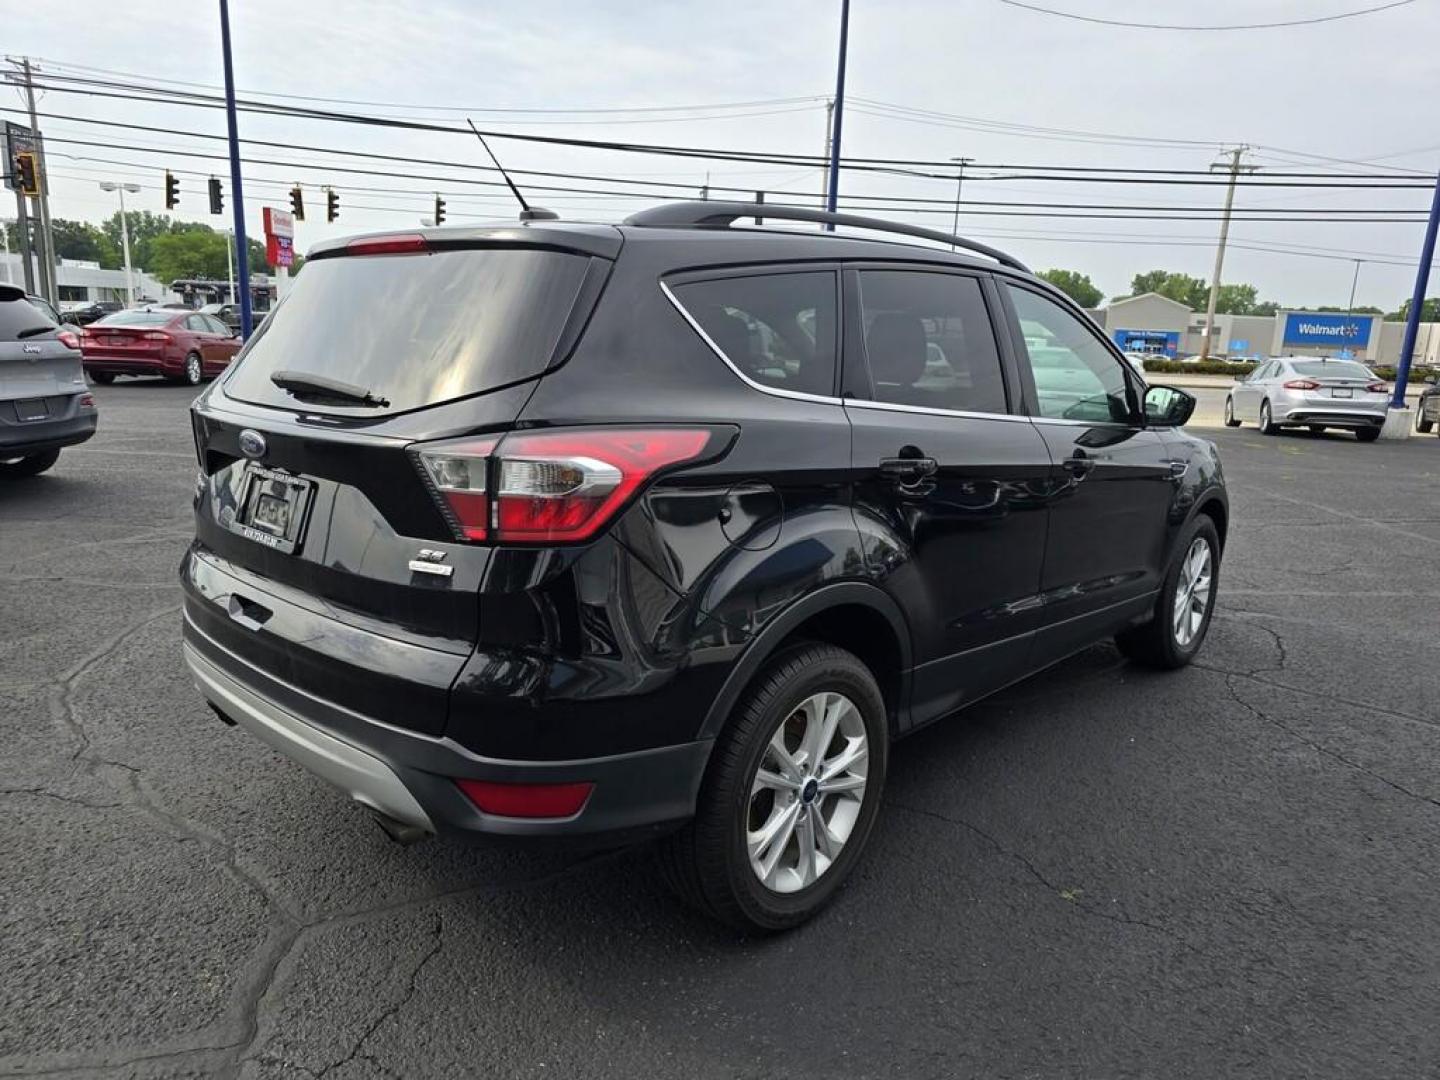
31	331
319	387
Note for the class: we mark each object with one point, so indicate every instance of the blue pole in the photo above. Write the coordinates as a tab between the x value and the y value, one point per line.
839	112
242	247
1422	282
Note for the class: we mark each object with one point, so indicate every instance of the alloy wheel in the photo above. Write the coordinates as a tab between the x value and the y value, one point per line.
807	792
1192	593
192	370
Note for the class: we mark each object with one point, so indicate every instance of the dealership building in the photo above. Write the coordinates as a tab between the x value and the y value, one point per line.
1153	323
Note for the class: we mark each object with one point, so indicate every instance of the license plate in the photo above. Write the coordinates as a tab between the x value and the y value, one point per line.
271	508
33	409
116	340
1342	391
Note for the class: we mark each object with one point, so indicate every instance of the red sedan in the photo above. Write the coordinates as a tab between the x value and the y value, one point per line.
182	346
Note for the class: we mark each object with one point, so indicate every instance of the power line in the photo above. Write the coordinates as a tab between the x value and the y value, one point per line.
1237	26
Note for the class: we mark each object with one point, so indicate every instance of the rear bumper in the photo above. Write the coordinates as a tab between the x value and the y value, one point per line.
131	363
36	436
1360	417
409	777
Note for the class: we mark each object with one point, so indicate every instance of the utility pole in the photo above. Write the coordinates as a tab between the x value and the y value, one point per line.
959	186
22	241
5	239
242	257
1350	307
1235	169
833	190
47	240
829	135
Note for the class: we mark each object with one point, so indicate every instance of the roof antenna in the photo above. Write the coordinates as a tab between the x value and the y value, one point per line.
527	213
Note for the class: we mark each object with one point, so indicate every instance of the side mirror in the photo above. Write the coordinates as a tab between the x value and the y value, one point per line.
1166	406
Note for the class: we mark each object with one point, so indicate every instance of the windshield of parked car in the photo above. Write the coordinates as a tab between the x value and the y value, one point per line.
1332	369
137	318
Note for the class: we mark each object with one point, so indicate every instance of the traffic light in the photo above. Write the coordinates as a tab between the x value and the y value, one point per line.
439	210
217	197
172	191
297	203
332	205
27	176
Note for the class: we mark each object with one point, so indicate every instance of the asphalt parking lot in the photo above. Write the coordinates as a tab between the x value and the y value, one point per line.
1233	870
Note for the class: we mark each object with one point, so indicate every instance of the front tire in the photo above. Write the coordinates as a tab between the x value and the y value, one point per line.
1422	425
790	796
1230	420
103	378
1267	426
30	465
1174	634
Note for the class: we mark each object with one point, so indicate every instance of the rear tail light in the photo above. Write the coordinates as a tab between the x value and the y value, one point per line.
156	335
526	800
456	472
1302	384
1378	387
68	339
550	486
87	401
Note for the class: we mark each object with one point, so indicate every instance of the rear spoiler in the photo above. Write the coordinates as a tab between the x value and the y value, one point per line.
603	241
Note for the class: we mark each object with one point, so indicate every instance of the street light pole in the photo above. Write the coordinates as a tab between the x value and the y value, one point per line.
959	186
832	192
1417	301
110	185
242	256
1350	308
230	261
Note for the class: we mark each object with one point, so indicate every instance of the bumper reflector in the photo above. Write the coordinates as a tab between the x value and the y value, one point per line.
526	800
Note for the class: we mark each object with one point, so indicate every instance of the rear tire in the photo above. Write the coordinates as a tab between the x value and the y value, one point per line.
715	863
1267	426
1422	425
30	465
1192	580
1230	420
1369	434
103	378
194	372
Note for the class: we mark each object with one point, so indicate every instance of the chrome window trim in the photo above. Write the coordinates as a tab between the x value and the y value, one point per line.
889	406
774	391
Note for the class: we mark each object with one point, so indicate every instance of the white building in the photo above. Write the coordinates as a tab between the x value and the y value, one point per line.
80	282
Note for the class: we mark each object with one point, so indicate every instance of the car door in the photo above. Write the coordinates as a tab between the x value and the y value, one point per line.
949	481
200	339
1113	481
226	343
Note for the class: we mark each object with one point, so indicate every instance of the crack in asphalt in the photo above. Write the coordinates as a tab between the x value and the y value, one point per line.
1121	917
43	793
436	945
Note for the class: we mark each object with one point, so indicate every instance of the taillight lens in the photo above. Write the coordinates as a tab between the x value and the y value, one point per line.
1302	384
554	486
398	244
68	339
456	472
1378	387
87	401
526	800
156	335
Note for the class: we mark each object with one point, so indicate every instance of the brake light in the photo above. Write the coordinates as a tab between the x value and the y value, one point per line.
68	339
1302	384
156	335
399	244
456	474
550	486
526	800
1378	387
87	401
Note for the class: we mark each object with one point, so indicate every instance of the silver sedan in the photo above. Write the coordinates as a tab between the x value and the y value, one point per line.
1301	391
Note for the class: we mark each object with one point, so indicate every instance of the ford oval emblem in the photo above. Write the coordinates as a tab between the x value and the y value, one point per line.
252	444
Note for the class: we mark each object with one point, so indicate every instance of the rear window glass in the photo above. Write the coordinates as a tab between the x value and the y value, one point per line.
18	316
137	318
415	330
1331	369
776	329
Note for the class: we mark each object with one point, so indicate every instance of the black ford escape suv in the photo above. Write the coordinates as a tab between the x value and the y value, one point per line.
668	529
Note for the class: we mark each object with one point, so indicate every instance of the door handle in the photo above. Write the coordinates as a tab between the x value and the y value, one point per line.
1079	464
908	468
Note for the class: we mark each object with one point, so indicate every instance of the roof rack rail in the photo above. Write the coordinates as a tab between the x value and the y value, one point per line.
692	213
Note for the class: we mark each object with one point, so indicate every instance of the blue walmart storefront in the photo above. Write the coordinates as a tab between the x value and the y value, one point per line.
1323	333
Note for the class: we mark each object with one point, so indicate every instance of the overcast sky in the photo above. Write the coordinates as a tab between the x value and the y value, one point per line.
1363	89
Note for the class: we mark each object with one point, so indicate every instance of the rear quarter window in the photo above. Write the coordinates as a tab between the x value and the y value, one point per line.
415	329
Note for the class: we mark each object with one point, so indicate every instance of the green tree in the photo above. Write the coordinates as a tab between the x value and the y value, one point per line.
1429	311
1193	292
1234	299
1265	307
188	254
1075	285
144	227
81	240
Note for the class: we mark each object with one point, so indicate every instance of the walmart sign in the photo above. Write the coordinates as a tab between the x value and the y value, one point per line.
1341	331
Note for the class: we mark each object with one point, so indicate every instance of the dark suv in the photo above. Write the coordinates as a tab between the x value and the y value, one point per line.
668	529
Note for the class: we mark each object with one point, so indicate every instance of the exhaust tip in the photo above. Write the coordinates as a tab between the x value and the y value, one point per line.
402	832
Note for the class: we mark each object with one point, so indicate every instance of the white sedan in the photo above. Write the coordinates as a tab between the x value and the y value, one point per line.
1312	392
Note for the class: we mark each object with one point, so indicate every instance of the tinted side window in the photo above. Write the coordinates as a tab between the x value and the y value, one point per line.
197	323
776	329
1076	377
215	325
929	342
